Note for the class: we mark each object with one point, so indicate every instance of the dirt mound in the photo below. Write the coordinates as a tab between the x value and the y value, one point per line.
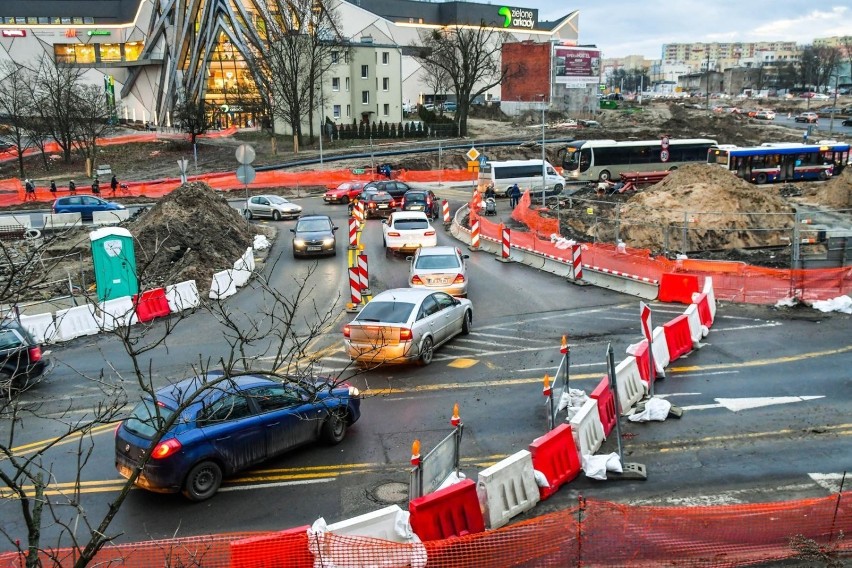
836	193
188	235
719	209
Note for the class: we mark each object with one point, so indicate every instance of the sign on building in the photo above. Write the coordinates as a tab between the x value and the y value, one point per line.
577	65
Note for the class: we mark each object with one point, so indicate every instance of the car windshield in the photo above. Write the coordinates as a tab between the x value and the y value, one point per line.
143	419
429	261
313	225
380	196
418	197
277	200
409	223
386	312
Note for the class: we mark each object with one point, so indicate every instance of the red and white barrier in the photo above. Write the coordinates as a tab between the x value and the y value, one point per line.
587	428
696	330
445	209
363	273
353	231
660	349
507	243
606	405
631	388
359	211
678	337
577	261
711	297
507	489
474	232
355	285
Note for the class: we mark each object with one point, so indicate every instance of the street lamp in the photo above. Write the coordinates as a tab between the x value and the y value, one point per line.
543	158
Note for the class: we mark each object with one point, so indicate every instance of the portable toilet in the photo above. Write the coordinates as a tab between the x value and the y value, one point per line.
115	263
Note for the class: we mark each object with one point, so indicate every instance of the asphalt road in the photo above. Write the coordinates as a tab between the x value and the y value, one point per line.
735	442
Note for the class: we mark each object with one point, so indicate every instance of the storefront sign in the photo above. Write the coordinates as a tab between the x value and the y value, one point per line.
98	33
518	17
14	33
70	33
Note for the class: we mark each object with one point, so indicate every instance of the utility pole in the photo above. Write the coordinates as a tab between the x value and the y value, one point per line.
707	76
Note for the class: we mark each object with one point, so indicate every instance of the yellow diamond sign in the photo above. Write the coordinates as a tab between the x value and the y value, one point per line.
472	154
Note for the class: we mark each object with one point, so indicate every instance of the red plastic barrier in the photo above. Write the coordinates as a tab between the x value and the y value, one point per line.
285	549
452	511
556	456
151	304
677	337
676	287
606	403
704	313
643	360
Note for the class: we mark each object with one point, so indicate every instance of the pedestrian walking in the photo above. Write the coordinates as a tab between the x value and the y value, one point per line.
29	191
72	187
514	195
96	187
113	184
52	187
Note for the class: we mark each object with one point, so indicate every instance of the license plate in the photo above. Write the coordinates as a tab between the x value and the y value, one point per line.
417	208
439	281
314	248
383	206
124	471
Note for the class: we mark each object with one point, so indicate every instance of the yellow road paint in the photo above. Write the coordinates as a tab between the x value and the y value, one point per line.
35	446
463	363
763	362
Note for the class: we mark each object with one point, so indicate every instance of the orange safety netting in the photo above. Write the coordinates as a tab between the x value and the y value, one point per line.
590	533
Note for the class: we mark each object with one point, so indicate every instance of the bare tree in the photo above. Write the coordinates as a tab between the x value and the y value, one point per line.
55	98
436	78
92	118
191	116
16	106
470	56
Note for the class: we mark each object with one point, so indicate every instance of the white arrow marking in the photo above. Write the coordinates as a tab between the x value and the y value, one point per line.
737	404
828	481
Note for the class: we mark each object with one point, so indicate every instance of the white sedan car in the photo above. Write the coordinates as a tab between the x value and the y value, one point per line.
439	269
407	231
406	325
273	206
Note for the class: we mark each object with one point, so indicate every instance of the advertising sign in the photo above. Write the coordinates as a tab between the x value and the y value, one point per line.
14	33
518	17
577	65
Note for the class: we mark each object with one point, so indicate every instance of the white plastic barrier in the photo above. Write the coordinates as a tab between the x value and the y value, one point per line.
587	428
76	322
118	312
223	285
246	262
377	524
696	330
110	217
15	222
241	277
40	326
182	296
711	297
61	220
661	351
507	489
631	387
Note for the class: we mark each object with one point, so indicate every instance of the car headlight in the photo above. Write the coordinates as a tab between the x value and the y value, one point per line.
299	242
120	206
328	241
353	391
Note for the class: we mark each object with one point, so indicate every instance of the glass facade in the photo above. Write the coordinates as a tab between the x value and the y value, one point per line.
90	53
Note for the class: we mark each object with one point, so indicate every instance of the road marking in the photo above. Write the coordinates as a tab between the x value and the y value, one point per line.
731	497
764	362
829	481
278	484
744	327
737	404
35	446
688	445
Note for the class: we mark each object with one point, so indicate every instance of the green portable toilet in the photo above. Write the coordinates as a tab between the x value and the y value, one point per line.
115	263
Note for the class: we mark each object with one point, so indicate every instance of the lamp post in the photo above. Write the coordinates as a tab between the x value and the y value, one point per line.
707	77
543	156
321	118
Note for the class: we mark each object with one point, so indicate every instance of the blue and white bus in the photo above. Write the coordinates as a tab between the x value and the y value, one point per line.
783	161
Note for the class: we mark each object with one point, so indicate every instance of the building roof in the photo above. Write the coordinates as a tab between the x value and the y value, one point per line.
105	12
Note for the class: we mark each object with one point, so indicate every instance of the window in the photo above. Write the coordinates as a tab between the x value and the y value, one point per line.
229	407
386	83
274	397
110	51
386	109
347	84
43	20
365	71
335	112
84	53
365	97
334	57
132	50
348	111
335	83
385	58
429	307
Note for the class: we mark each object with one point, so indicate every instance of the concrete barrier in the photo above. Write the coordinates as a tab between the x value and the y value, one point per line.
61	220
110	217
223	285
376	524
696	330
118	312
182	296
76	322
40	326
587	428
507	489
595	276
631	388
660	349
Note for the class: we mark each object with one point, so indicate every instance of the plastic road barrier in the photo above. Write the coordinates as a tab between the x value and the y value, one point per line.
272	550
631	388
76	322
507	489
696	330
677	337
711	298
240	277
118	312
151	304
246	261
577	261
641	353
555	455
506	250
445	209
40	326
376	524
450	512
182	296
606	405
223	285
587	428
677	287
355	285
660	348
703	305
110	217
61	220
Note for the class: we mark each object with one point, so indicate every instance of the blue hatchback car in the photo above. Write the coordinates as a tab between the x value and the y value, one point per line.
233	425
85	205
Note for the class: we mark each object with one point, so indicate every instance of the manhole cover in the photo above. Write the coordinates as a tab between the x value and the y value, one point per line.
390	492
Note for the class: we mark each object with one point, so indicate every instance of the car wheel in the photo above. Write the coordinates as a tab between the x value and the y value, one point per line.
276	215
604	175
334	427
823	175
203	481
557	189
467	323
249	214
760	179
427	352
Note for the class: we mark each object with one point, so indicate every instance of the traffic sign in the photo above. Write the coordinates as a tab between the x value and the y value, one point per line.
483	159
664	142
472	154
246	174
245	154
664	155
472	166
645	316
357	171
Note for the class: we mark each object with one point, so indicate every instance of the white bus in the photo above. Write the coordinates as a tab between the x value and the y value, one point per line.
525	173
601	160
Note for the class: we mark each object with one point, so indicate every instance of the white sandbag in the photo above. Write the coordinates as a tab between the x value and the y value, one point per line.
572	398
540	479
597	466
452	479
656	409
261	242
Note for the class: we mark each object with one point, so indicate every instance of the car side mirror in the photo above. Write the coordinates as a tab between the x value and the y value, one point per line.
409	258
465	256
334	229
384	221
293	231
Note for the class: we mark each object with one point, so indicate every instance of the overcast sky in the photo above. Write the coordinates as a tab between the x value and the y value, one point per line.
634	27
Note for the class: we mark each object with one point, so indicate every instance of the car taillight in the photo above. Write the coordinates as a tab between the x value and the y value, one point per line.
393	234
429	233
405	334
372	205
347	331
35	354
165	449
416	280
459	279
117	428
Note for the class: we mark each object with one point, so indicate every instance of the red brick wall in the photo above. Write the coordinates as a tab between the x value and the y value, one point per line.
528	75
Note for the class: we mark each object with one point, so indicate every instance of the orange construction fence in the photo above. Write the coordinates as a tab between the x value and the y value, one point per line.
590	533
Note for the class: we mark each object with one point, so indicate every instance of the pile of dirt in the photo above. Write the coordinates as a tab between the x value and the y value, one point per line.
190	234
836	193
720	210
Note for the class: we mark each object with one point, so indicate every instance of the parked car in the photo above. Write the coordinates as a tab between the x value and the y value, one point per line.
809	117
406	325
85	205
313	235
396	189
239	423
440	268
421	200
847	122
449	106
272	206
22	360
377	203
406	231
765	115
345	192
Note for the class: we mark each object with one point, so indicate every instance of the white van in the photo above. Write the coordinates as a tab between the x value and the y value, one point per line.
525	173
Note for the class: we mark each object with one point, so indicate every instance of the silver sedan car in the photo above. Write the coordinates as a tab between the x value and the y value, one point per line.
272	206
406	325
439	269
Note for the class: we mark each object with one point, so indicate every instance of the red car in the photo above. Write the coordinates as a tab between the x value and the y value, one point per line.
345	192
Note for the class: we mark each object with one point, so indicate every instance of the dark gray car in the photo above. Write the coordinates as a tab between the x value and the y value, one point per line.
313	235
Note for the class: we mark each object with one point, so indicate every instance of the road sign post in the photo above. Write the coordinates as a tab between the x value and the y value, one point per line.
245	173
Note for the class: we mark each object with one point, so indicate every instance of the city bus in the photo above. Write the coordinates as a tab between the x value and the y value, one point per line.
526	173
783	161
602	160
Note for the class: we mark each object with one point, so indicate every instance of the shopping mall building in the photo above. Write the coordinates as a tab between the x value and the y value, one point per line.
150	50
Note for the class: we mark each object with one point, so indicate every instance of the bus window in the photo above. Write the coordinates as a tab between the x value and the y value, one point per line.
585	159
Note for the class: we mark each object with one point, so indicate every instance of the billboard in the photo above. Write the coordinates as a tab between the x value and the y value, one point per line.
576	65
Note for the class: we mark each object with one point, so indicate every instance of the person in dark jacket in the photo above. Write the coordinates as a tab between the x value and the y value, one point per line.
489	191
29	189
113	184
72	187
96	187
514	195
52	187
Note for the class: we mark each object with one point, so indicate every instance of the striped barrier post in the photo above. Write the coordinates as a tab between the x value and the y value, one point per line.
361	208
506	248
577	261
354	290
474	232
353	231
364	276
445	209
